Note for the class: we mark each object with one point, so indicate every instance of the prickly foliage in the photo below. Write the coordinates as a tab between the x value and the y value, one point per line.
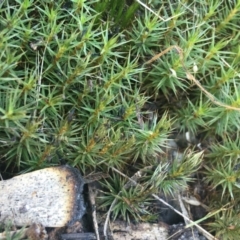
75	83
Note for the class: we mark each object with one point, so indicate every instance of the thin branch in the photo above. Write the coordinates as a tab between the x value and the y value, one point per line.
107	218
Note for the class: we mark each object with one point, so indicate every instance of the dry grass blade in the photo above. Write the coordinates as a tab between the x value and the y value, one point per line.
150	10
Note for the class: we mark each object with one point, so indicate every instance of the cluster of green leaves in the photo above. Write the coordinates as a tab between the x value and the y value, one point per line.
73	81
132	198
65	82
131	202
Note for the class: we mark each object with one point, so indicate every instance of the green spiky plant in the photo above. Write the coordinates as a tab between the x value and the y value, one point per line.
74	80
8	234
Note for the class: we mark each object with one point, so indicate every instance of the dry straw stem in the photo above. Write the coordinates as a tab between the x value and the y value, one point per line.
191	78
